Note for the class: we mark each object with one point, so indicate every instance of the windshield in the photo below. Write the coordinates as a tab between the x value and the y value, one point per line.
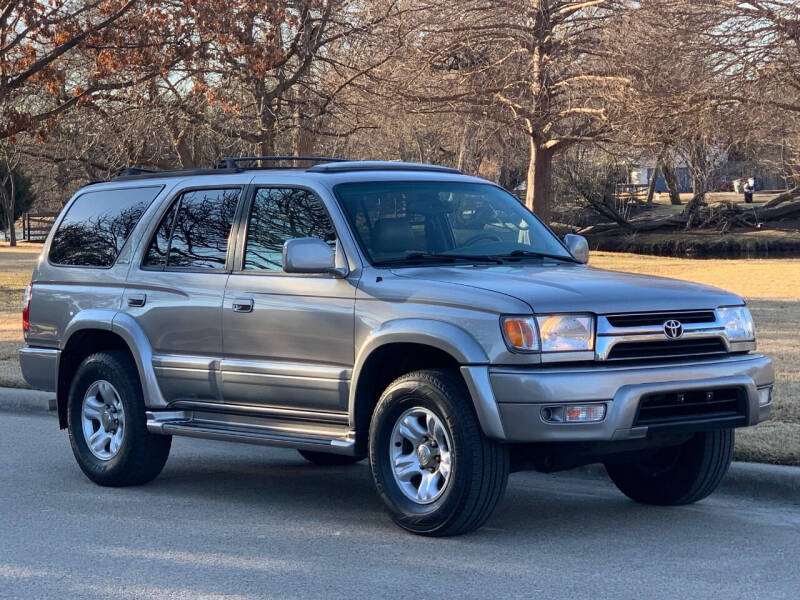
418	221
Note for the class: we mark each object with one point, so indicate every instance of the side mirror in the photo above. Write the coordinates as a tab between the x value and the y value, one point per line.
578	246
309	255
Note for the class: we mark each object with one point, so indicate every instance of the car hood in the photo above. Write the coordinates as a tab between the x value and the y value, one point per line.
558	287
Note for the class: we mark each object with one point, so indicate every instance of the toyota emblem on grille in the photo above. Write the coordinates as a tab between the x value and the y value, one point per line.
673	329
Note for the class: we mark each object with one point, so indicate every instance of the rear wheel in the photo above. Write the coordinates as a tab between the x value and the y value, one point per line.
107	423
677	474
435	470
326	459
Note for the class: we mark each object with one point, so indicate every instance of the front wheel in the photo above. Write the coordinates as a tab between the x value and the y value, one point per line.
677	474
435	470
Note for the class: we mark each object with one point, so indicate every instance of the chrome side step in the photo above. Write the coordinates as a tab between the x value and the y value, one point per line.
334	438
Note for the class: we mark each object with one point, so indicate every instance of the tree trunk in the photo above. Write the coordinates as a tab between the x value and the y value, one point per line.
651	189
539	191
466	153
267	124
699	184
302	140
784	197
12	240
183	148
303	123
8	198
267	145
668	169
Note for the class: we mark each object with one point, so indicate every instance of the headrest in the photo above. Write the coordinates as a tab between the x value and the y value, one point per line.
394	235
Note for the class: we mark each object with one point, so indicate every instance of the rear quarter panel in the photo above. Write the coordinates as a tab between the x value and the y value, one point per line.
62	294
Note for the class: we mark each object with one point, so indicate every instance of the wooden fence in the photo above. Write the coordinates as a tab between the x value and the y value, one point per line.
36	226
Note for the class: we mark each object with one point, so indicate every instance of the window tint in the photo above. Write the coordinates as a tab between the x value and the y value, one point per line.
97	225
278	215
194	232
156	256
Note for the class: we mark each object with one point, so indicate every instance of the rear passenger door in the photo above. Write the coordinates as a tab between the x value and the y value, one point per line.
288	338
176	292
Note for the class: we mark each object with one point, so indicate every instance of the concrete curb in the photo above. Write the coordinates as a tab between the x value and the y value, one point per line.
749	479
21	400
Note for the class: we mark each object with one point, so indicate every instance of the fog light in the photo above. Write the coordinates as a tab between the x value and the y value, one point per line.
586	413
765	396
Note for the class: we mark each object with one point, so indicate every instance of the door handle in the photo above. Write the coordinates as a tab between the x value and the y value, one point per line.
243	305
136	300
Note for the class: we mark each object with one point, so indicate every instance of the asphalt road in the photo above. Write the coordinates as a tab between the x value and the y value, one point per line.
237	521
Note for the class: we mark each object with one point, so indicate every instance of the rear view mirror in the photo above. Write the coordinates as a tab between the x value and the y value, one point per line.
309	255
578	246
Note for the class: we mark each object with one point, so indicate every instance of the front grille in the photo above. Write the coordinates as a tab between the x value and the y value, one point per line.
666	349
675	407
649	319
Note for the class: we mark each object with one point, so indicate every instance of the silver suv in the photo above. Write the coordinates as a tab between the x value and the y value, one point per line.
404	313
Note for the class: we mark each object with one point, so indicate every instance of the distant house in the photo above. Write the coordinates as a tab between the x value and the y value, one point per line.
721	179
641	174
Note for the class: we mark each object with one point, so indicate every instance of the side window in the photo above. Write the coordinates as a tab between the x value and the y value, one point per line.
280	214
194	233
98	224
156	256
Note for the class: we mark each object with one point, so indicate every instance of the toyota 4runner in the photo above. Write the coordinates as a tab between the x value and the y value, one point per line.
404	313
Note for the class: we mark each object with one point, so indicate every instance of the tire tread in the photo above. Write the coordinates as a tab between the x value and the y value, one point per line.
486	486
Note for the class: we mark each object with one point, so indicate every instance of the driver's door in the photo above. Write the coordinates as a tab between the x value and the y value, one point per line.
287	338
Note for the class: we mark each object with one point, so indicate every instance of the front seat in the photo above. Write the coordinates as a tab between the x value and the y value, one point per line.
395	235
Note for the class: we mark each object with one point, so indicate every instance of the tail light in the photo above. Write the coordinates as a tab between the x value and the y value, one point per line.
26	308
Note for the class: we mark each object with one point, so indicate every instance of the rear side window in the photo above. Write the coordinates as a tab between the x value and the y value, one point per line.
98	224
280	214
194	233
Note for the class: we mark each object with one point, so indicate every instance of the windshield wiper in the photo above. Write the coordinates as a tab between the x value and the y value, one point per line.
424	257
532	254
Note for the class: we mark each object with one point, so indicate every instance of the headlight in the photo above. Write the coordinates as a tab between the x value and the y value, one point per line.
566	333
738	323
549	333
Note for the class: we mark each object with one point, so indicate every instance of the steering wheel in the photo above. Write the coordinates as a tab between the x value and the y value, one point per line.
481	236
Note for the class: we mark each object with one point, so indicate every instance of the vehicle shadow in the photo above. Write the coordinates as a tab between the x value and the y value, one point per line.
560	506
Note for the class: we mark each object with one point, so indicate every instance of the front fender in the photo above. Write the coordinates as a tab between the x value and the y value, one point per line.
454	340
443	336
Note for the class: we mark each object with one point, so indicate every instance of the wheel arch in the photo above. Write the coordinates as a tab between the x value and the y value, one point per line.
399	347
97	331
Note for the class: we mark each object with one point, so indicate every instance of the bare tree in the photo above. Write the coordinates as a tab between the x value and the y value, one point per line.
9	163
534	64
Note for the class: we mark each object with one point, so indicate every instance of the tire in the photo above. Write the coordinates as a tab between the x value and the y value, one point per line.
679	474
434	500
326	459
132	455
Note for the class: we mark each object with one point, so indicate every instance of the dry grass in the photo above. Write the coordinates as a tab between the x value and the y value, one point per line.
16	266
771	287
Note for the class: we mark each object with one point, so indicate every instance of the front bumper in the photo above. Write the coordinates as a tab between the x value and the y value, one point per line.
509	400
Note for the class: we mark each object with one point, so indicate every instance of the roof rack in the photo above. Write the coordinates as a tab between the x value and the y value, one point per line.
378	165
321	164
129	173
232	162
